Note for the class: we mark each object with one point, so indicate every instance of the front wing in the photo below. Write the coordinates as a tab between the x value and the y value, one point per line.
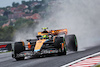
32	53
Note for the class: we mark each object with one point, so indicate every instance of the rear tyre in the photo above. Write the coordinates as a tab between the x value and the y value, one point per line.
71	42
18	48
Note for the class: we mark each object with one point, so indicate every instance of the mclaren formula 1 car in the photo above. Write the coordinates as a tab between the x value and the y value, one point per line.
47	42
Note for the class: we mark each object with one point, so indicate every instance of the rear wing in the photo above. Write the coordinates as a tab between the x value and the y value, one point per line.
54	32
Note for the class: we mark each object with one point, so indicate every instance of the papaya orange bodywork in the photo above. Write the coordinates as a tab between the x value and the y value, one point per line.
39	44
54	32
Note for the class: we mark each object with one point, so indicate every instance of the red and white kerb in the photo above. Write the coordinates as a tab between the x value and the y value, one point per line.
87	63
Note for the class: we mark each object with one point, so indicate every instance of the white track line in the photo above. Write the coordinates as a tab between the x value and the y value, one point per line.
80	59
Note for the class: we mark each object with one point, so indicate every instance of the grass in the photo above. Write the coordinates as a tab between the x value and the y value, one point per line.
5	52
98	66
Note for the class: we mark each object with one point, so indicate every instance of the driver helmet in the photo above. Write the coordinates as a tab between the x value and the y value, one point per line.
45	37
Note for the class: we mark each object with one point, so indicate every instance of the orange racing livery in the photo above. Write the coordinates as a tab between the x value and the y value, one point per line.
47	42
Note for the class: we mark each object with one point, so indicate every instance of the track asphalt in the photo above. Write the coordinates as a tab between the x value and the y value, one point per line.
53	61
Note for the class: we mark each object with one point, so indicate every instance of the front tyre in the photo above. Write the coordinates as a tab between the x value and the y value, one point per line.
18	48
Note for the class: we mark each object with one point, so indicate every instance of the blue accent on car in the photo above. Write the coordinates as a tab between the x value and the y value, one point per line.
47	40
37	50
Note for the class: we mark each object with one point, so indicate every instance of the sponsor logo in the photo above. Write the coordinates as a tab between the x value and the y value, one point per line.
49	51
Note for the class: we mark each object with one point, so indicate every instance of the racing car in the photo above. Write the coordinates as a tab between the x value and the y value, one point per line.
46	42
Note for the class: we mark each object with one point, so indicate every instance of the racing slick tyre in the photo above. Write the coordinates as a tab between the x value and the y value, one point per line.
71	42
18	48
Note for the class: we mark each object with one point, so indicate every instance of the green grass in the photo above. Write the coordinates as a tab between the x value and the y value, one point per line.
5	52
98	66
